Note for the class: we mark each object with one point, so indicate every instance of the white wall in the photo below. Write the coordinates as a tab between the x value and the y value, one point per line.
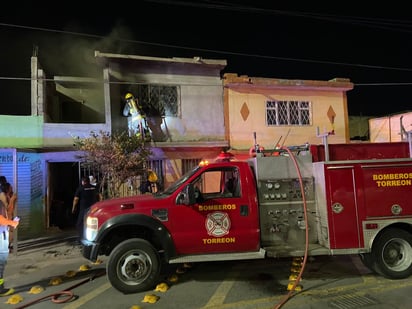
388	128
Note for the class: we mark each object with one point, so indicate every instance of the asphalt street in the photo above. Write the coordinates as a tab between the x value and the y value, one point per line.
336	282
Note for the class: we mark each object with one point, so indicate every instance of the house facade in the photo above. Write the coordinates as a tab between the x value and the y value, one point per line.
284	112
65	108
193	112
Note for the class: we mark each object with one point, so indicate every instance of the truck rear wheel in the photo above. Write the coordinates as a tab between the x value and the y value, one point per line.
392	254
133	266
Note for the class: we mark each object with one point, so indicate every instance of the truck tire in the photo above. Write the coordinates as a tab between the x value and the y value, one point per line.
392	254
369	261
133	266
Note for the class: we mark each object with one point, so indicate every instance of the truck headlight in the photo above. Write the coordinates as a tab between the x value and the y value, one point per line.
92	225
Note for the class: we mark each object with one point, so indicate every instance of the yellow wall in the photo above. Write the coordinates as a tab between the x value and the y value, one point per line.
241	128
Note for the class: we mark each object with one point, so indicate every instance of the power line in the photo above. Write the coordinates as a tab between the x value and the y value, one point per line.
225	52
379	23
97	81
391	24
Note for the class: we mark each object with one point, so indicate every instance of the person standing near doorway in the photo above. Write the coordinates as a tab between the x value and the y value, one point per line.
8	198
5	224
95	183
85	196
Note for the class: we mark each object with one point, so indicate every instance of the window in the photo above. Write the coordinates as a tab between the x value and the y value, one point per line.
188	164
288	113
232	186
159	100
217	183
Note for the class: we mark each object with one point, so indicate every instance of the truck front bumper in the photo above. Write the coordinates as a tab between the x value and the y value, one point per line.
90	250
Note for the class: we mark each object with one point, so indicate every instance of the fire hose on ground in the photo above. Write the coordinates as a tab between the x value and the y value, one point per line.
65	295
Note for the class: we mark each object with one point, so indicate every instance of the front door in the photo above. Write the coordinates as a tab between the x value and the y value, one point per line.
223	219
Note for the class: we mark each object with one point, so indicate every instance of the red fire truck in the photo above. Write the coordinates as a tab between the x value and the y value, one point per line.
326	199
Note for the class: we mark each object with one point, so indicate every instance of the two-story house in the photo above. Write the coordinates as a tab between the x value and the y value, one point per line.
184	98
193	112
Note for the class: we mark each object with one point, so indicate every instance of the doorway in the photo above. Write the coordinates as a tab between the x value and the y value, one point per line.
63	180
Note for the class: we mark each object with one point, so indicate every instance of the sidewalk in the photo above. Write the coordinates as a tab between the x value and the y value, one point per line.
51	237
35	254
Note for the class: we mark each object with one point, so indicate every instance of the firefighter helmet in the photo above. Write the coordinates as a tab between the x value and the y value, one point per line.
128	96
152	177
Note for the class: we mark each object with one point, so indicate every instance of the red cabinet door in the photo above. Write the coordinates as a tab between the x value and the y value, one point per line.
344	229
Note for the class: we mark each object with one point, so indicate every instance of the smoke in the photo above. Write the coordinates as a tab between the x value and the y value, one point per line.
66	52
71	53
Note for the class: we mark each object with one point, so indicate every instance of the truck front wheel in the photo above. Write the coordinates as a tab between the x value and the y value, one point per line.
392	254
369	261
133	266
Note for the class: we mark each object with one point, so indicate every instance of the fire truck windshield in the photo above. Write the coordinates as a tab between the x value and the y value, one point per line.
173	187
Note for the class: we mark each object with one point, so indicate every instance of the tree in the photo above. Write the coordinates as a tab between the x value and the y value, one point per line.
118	157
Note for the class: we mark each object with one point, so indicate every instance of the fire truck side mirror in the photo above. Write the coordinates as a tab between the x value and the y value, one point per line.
187	196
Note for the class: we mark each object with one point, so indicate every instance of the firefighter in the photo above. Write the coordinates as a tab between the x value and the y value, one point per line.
152	179
133	110
151	185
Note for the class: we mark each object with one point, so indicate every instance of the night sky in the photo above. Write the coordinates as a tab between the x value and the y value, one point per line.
371	46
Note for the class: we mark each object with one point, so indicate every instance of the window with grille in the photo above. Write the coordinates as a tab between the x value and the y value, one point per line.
188	164
159	100
290	113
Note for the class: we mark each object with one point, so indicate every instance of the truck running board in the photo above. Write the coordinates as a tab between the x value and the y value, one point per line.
287	251
219	257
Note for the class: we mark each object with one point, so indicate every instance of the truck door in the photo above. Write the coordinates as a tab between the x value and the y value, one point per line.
343	214
224	218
